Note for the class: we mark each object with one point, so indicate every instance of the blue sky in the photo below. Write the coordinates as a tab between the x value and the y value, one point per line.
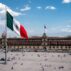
34	14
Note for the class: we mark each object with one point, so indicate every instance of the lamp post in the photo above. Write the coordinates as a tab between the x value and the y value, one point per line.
4	44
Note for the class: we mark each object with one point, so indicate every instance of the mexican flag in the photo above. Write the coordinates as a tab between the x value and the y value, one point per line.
14	25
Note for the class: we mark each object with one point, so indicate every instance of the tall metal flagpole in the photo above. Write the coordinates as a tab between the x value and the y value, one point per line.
5	37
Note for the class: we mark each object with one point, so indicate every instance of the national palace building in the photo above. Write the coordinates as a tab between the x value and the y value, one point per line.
43	43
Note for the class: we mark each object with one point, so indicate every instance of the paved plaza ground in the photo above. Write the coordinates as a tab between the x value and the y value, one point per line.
36	61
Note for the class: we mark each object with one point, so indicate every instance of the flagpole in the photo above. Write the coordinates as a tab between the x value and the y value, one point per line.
5	37
44	28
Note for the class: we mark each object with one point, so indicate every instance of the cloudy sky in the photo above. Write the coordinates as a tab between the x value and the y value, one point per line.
34	14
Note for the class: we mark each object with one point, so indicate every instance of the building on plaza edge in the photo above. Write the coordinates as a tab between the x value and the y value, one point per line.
42	43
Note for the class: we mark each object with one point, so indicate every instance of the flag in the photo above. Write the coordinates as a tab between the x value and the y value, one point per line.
14	25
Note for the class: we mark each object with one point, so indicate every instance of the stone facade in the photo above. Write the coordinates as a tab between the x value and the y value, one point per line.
43	43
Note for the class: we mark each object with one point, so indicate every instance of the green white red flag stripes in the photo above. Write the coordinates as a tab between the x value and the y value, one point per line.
14	25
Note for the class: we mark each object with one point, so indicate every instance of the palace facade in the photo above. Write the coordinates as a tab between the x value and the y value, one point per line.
43	43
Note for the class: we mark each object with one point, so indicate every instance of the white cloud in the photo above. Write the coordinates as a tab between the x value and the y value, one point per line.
66	1
2	29
69	26
50	7
2	26
60	29
39	7
3	7
66	29
26	8
3	18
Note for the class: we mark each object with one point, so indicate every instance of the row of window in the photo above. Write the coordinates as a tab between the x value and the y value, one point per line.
39	42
